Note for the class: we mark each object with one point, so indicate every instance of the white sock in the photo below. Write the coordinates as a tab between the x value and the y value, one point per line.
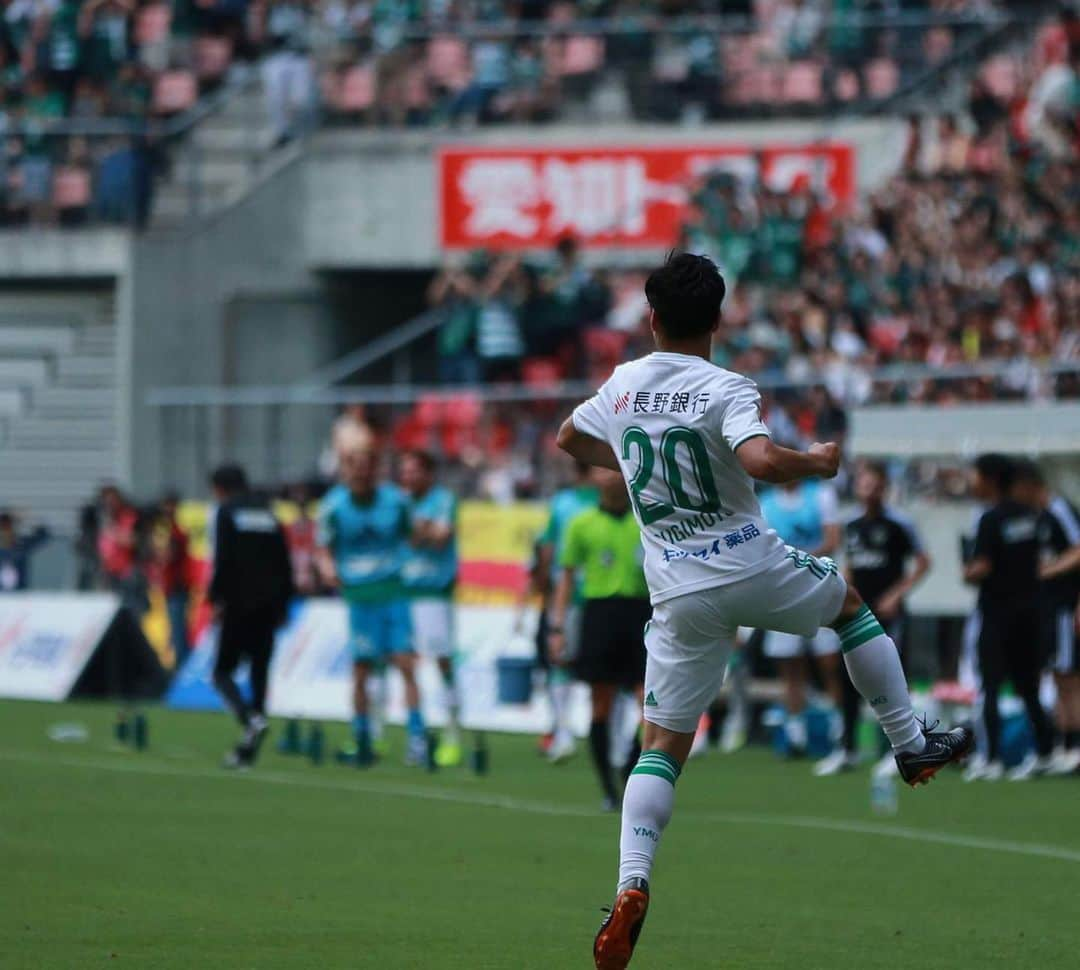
836	724
795	727
874	666
647	803
559	691
376	692
453	707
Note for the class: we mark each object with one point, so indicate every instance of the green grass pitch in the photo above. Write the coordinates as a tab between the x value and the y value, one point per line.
159	859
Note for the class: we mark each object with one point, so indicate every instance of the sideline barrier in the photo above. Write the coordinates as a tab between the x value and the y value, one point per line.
54	645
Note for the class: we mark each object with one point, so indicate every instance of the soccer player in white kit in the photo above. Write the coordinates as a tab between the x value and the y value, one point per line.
689	440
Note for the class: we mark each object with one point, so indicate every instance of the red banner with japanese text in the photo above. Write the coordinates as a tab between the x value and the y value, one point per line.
505	198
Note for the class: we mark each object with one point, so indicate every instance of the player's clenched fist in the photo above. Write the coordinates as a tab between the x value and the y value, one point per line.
829	456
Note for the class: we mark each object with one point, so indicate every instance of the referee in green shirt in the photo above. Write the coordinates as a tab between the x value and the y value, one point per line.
601	561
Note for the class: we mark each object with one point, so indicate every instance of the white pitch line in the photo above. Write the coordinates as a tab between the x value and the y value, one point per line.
512	804
901	832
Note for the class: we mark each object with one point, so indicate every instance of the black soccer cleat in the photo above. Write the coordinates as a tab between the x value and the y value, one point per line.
942	748
618	934
239	759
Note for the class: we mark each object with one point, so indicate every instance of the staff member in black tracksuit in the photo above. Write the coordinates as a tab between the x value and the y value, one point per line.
1004	565
250	591
879	546
1058	534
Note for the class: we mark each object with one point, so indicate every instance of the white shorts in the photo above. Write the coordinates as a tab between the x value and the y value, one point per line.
783	646
690	637
433	626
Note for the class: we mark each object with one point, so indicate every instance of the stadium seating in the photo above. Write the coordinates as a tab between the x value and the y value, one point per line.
58	397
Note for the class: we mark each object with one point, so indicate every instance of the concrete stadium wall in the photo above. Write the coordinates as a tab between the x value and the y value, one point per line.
231	301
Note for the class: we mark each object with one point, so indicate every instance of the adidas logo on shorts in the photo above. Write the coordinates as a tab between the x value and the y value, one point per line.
651	701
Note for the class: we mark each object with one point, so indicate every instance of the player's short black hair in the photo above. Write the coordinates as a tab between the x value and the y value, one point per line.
996	468
1026	471
231	479
7	519
685	294
426	459
876	468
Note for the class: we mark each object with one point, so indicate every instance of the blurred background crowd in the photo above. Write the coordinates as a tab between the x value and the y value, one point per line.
97	93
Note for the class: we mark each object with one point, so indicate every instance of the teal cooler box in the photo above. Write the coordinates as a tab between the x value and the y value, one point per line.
514	679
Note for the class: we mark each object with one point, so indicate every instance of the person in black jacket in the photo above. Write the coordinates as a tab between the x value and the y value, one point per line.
1005	566
250	591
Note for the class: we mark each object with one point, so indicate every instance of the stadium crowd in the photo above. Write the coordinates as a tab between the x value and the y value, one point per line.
399	62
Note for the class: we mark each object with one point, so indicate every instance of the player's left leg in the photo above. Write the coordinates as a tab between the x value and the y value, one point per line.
433	634
688	652
826	649
873	663
260	650
398	635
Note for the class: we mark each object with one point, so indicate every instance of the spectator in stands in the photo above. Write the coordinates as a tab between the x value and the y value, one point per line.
499	342
453	293
15	553
300	534
796	27
490	76
105	32
118	549
172	560
1050	115
288	78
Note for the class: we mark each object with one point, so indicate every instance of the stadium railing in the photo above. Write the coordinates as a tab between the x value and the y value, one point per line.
271	427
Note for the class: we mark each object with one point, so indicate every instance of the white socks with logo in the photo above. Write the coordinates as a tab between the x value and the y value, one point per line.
647	804
874	665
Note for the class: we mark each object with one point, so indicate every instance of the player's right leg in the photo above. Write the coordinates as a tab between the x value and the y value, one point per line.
1059	634
688	649
602	700
363	644
231	636
786	651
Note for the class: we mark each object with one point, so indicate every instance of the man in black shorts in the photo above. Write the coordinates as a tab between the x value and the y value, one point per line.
604	544
1004	565
879	545
1058	534
250	592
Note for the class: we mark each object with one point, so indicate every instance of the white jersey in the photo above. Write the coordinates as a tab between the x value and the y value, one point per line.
674	422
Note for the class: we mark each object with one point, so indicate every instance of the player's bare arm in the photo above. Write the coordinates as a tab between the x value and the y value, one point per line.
766	461
326	567
889	603
976	570
585	447
1068	561
563	592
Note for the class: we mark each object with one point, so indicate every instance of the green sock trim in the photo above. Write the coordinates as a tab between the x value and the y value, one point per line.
862	627
658	763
